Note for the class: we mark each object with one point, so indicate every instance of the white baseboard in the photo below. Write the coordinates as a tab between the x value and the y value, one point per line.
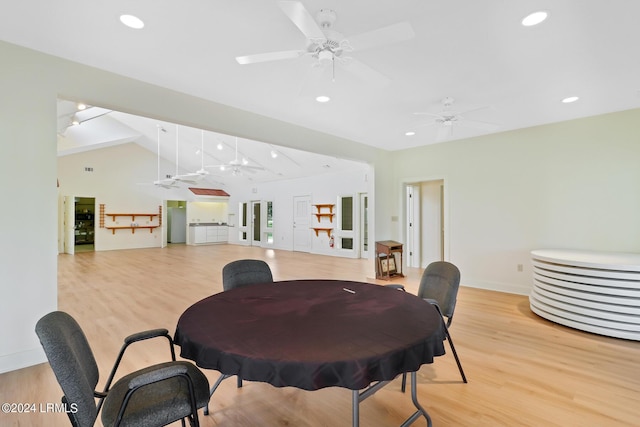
499	287
23	359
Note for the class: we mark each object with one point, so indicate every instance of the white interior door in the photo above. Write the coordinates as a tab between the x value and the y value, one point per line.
302	223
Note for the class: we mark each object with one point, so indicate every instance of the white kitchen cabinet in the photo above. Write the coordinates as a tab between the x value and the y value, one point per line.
204	234
198	235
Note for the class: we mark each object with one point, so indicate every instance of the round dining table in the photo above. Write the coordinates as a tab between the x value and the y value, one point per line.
312	334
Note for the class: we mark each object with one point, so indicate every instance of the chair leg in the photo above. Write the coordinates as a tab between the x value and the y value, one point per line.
404	382
239	381
455	354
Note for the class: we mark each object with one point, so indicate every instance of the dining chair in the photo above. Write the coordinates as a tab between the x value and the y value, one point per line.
439	286
156	395
236	274
245	272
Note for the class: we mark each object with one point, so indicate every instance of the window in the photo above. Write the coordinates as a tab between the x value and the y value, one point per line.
346	243
242	232
269	214
346	223
346	213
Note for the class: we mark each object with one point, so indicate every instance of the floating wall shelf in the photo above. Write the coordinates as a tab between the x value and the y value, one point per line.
324	205
320	215
132	215
133	229
324	215
152	219
318	229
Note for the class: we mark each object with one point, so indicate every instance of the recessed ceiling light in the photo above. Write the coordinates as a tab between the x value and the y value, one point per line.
410	133
534	18
219	146
570	99
132	21
274	154
323	98
81	106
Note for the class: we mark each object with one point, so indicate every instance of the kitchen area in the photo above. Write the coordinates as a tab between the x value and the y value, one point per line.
207	222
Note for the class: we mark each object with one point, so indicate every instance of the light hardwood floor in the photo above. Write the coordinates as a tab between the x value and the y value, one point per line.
522	369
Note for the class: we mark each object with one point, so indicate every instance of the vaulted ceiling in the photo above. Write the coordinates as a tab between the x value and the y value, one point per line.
500	74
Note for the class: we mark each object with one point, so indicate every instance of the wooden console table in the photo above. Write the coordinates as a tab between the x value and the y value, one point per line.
386	260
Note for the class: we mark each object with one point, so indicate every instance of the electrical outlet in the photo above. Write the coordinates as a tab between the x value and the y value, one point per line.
520	268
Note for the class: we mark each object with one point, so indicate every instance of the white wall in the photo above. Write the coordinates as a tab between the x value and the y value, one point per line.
31	83
207	211
28	218
322	189
571	184
122	180
574	184
431	224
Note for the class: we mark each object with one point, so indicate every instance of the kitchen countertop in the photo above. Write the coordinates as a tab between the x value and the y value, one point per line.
206	224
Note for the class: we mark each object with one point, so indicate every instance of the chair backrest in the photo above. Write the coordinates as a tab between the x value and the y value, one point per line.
245	272
73	364
440	282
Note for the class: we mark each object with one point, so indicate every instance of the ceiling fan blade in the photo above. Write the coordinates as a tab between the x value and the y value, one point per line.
461	113
438	116
366	73
166	183
301	17
420	125
479	125
269	56
395	33
191	177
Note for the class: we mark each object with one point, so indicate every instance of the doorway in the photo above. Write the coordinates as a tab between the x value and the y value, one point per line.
84	210
425	222
176	221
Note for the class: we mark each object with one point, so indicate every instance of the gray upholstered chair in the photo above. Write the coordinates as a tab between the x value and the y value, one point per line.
245	272
242	272
153	396
439	286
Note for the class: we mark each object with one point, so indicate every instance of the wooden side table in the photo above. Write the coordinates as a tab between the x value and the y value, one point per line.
386	265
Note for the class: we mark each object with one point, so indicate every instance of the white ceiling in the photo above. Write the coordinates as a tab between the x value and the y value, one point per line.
475	51
187	150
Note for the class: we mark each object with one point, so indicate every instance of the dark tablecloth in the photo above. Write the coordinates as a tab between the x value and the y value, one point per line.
311	334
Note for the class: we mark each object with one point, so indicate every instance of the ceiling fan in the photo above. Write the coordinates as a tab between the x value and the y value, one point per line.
237	165
327	46
447	118
166	182
191	177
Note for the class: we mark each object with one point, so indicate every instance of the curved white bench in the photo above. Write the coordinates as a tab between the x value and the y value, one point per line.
592	291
